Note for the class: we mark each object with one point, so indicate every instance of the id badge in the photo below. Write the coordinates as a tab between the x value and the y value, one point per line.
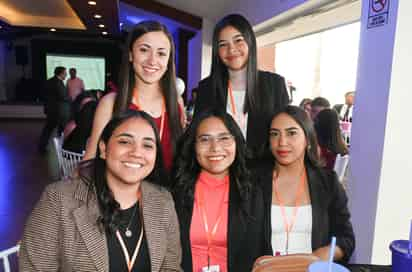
212	268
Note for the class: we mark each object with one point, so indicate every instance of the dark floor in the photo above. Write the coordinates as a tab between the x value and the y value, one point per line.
23	176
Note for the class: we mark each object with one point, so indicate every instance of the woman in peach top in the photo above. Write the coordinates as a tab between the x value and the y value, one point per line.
221	212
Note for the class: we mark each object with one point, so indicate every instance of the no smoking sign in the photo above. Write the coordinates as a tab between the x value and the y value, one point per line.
378	13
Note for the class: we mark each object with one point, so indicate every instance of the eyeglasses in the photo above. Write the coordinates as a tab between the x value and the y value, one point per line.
224	140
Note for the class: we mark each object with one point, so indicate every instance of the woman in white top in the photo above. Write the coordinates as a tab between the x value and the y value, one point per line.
236	85
306	203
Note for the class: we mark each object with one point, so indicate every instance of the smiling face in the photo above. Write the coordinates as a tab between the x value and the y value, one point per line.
149	56
130	153
287	140
233	49
215	147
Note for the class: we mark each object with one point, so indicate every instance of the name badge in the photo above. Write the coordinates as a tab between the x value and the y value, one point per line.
212	268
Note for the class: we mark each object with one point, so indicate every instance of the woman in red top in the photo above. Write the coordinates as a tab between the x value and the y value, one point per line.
147	83
329	137
220	210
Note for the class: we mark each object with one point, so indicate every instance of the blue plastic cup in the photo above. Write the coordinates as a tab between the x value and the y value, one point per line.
401	258
322	266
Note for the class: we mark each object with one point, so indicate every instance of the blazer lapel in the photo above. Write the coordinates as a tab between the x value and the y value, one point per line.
237	225
316	202
95	240
152	218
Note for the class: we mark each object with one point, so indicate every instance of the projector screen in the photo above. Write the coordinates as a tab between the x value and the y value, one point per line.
90	69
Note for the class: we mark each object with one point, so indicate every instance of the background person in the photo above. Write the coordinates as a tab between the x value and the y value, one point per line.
75	85
329	137
56	107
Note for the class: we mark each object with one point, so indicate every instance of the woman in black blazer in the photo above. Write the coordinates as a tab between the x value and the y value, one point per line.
294	168
213	146
235	85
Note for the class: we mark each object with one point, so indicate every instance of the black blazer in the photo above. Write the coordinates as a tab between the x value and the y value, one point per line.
246	230
330	214
273	89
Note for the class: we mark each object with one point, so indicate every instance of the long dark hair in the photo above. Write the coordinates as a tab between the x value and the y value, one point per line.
187	168
304	121
167	82
109	207
329	133
219	72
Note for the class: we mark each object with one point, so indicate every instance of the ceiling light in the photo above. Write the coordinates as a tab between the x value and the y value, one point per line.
104	33
52	29
97	16
101	25
92	3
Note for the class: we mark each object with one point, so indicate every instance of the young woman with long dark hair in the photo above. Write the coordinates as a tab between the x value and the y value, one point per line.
236	85
116	216
147	83
220	209
306	203
329	137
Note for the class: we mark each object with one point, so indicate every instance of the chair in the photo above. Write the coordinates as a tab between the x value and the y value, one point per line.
341	164
5	254
67	160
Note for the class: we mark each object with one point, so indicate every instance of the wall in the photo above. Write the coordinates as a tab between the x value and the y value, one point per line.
381	164
266	58
207	35
3	53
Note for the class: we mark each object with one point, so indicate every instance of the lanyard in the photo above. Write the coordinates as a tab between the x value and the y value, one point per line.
298	199
135	100
209	234
241	119
130	262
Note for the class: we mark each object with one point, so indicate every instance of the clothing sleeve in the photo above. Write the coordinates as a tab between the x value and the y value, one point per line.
339	220
62	93
39	249
173	256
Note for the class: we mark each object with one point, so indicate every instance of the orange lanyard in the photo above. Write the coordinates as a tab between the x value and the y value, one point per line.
232	104
135	100
298	199
130	262
209	234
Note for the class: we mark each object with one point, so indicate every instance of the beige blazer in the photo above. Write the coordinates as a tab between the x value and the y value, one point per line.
61	234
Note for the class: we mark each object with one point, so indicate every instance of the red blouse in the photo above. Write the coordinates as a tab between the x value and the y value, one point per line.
166	139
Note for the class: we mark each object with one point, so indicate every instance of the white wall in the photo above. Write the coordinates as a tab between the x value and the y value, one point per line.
207	35
381	164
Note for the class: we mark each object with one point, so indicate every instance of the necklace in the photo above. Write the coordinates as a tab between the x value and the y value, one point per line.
128	233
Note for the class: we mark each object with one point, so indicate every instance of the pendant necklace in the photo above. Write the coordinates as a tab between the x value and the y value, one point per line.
128	233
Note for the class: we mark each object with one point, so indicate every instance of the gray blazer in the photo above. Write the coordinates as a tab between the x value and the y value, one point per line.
61	234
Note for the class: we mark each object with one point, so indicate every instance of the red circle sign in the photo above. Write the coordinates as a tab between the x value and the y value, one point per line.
378	5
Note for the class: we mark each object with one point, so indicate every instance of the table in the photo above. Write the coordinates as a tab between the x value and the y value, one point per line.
369	268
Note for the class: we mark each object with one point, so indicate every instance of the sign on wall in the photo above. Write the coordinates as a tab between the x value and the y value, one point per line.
378	13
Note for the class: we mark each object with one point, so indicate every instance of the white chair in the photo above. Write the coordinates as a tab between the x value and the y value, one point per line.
67	160
341	164
4	255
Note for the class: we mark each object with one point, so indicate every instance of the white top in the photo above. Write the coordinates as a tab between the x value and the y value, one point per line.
238	82
300	236
240	117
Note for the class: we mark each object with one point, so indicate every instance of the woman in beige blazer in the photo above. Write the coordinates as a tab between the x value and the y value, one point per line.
115	217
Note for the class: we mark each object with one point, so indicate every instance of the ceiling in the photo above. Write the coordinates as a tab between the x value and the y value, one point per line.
78	15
